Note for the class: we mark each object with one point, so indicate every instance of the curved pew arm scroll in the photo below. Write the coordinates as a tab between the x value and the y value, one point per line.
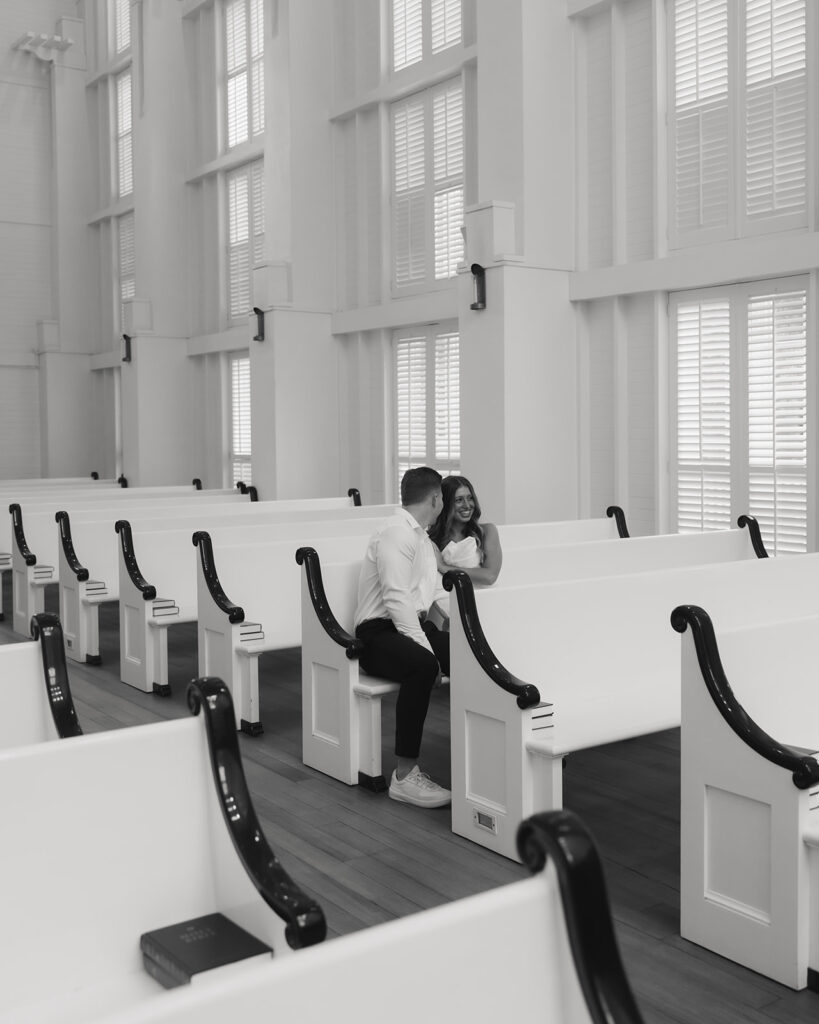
19	534
619	518
245	489
355	494
756	535
306	925
123	528
47	629
308	557
64	522
805	769
201	540
560	836
526	694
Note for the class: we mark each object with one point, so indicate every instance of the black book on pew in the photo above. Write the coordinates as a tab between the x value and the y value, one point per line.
173	955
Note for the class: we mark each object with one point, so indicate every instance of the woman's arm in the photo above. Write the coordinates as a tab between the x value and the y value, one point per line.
487	573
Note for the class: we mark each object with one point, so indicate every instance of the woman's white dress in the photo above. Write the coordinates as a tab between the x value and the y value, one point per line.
461	554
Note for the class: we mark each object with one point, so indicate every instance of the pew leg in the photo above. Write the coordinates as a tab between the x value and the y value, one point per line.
80	622
247	697
546	779
91	625
158	642
368	710
3	568
136	647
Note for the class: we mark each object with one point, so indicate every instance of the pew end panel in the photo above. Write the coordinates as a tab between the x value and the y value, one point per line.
341	705
504	767
748	801
80	598
28	577
130	862
481	955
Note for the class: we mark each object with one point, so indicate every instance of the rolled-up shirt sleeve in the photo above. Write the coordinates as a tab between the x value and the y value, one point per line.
394	559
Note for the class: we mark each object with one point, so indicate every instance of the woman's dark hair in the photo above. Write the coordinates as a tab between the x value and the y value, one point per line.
442	528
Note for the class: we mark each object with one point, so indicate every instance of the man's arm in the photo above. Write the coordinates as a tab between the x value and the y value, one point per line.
394	559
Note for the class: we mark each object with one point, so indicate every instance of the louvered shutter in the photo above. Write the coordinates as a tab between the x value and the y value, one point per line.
700	125
447	402
411	402
240	440
775	109
448	170
122	25
445	30
257	66
409	199
236	67
777	418
124	135
126	262
703	416
407	33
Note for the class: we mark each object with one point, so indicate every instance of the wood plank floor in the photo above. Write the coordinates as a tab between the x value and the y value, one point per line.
367	859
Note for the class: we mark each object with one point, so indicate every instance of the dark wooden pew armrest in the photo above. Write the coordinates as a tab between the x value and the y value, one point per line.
64	522
47	629
306	925
308	557
619	518
752	525
526	694
561	837
805	769
123	528
19	534
201	539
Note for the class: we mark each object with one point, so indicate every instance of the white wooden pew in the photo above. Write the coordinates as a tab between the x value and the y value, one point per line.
749	823
157	579
265	579
35	548
53	482
341	706
544	670
35	697
525	948
109	836
89	551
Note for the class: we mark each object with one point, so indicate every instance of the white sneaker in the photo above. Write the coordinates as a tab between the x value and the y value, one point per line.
418	788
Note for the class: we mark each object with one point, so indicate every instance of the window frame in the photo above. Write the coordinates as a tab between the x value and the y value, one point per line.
236	458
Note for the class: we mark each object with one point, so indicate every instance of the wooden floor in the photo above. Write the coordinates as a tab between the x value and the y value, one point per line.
367	859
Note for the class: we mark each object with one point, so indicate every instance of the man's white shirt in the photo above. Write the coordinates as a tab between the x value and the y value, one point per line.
399	576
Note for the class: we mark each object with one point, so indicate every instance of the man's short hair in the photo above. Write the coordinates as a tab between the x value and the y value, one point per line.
417	484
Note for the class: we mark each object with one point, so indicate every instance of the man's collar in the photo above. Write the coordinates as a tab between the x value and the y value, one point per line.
410	518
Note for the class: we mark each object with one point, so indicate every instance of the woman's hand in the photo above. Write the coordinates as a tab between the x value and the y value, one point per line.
439	558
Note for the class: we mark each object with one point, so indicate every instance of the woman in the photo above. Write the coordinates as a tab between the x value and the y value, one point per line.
463	542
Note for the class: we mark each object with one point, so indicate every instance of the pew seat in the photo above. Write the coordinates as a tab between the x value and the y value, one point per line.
109	836
749	822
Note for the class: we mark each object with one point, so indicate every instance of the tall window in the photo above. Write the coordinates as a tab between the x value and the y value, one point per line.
741	410
124	184
126	263
739	71
421	28
121	25
244	70
428	187
240	447
245	217
427	400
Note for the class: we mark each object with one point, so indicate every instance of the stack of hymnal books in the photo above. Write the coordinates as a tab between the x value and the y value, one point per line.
164	606
95	586
250	631
173	955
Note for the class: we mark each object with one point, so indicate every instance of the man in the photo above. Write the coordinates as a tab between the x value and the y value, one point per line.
398	583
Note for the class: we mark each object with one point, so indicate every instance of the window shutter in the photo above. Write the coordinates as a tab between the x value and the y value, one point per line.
777	418
448	166
244	67
238	244
124	133
775	108
447	400
126	262
122	25
703	416
409	177
407	33
700	119
257	66
445	24
411	401
240	441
